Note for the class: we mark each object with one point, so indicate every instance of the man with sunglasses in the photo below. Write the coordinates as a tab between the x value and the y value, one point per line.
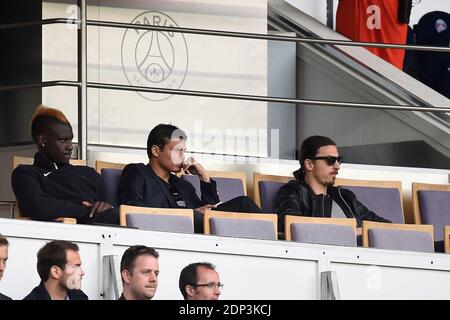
200	281
312	192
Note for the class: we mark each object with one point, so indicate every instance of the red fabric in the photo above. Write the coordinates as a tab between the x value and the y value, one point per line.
354	21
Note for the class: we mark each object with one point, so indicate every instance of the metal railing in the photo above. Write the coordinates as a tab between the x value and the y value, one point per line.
82	84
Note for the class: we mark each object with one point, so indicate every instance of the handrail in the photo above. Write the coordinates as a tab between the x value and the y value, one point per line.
208	94
259	36
221	33
41	85
38	23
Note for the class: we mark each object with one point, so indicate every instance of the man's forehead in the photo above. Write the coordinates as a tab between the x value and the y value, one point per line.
58	129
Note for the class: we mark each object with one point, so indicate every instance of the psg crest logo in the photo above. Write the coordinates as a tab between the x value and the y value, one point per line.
154	58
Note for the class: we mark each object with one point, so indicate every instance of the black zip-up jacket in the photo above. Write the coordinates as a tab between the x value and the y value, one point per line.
297	198
46	191
3	297
40	293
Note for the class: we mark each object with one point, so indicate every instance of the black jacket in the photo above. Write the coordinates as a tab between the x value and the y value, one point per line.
3	297
45	191
297	198
140	186
40	293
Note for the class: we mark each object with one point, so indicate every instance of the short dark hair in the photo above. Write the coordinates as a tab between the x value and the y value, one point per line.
161	135
54	253
309	149
132	253
3	241
44	118
189	275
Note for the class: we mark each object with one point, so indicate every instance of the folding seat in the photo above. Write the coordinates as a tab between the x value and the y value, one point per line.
157	219
329	231
241	225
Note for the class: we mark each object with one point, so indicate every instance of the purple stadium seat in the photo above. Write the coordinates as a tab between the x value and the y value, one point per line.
435	209
112	179
330	234
227	188
407	240
385	202
240	228
267	192
160	222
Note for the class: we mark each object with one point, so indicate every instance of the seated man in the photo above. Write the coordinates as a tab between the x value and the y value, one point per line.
3	258
140	269
59	267
312	192
200	281
154	185
51	187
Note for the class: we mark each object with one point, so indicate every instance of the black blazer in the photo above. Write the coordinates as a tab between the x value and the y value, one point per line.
3	297
140	186
40	293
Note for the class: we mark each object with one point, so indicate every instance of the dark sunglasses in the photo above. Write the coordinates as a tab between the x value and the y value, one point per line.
329	159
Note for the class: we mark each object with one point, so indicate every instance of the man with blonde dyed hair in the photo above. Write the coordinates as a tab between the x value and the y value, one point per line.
52	187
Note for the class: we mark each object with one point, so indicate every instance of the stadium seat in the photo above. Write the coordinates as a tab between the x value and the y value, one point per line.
431	205
240	225
406	237
329	231
265	188
112	180
157	219
229	184
382	197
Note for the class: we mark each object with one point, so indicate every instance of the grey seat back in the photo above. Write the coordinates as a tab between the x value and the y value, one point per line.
160	222
242	228
330	234
407	240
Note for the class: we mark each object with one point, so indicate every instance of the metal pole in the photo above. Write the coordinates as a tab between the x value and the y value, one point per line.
40	85
82	78
207	94
37	23
259	36
330	16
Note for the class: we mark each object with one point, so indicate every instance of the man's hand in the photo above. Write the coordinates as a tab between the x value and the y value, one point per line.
96	207
193	167
203	208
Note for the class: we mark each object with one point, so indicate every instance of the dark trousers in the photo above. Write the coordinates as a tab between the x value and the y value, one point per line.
238	204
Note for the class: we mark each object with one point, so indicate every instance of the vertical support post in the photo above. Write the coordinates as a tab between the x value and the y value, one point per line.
329	286
330	19
82	78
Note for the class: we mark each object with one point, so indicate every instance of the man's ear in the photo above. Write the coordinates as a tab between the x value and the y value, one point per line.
155	151
126	276
56	272
189	290
41	139
309	165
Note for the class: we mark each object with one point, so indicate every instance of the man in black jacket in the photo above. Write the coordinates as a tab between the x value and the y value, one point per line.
3	258
59	267
312	192
155	185
51	187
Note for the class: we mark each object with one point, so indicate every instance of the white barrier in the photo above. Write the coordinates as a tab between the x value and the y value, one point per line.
250	269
